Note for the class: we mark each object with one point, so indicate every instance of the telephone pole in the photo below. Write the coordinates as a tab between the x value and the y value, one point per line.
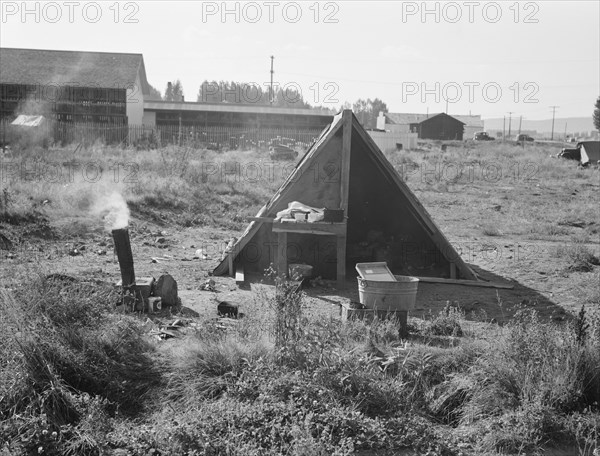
509	121
553	113
271	88
520	122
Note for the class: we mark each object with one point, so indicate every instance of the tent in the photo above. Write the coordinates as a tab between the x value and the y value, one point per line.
590	152
383	220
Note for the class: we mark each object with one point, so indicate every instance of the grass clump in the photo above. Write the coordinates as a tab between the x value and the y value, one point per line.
522	390
578	256
68	363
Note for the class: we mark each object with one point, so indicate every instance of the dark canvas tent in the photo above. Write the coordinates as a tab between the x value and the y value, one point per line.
590	152
383	219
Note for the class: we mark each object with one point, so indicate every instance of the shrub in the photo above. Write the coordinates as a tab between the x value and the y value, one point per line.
447	322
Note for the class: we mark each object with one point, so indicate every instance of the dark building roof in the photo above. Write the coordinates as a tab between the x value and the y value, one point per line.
413	118
83	69
421	121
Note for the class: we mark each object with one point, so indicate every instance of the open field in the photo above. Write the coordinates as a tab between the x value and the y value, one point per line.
484	371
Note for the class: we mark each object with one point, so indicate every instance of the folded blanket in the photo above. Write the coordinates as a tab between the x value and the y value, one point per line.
314	214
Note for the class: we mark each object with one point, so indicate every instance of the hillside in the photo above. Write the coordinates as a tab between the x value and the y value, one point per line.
574	125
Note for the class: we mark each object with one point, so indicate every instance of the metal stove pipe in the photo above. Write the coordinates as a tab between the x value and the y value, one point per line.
125	256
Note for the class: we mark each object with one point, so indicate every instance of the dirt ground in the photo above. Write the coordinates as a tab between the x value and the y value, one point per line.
528	267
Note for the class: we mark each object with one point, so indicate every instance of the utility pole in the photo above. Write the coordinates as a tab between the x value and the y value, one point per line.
565	131
520	122
503	127
553	113
271	88
509	121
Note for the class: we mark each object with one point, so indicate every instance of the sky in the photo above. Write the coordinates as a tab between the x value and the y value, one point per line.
478	57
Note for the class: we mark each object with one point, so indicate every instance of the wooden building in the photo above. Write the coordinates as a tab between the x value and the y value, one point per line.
438	129
440	126
73	86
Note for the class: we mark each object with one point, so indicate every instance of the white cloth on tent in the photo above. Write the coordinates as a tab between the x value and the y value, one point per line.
314	214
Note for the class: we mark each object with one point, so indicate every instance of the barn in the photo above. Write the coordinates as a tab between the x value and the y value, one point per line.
409	122
73	86
440	126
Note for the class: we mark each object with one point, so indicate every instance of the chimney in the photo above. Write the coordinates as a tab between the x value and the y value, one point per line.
125	257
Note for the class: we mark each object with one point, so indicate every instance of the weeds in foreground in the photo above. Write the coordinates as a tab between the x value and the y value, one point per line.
67	357
78	379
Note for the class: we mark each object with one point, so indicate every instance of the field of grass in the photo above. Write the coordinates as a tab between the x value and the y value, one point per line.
77	377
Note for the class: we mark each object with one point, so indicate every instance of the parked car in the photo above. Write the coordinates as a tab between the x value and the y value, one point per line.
524	138
281	152
482	136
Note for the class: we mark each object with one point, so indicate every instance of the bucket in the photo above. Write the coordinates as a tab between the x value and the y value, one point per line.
300	271
392	296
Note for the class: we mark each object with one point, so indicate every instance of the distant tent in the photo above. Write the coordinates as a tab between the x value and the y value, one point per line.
590	152
383	220
28	121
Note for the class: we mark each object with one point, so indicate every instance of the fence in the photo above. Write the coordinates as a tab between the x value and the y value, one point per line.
387	141
144	136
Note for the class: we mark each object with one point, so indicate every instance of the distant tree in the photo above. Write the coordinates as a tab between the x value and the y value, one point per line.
367	111
174	92
154	93
360	107
209	92
377	106
248	94
345	105
596	115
